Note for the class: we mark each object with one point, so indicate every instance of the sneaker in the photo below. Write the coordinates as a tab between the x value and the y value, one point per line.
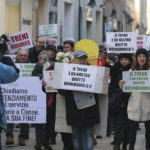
21	141
48	148
9	141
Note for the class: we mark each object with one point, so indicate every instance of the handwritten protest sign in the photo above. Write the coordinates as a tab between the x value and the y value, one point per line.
25	102
20	40
141	41
81	78
48	78
25	68
48	30
136	81
121	42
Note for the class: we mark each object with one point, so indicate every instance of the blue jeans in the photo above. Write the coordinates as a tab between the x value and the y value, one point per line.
82	138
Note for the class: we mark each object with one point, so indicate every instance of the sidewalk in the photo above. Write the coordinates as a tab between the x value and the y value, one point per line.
103	144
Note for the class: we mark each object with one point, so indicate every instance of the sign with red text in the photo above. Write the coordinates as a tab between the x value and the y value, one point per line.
20	40
121	42
141	41
24	101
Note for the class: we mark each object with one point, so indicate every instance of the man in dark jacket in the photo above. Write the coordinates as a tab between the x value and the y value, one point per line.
34	52
22	57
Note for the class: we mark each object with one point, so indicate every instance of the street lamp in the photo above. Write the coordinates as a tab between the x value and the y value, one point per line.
112	18
92	3
113	13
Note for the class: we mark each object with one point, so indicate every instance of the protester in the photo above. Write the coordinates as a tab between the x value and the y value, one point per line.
59	48
81	120
118	101
68	46
67	137
34	52
38	71
139	104
52	51
22	57
9	73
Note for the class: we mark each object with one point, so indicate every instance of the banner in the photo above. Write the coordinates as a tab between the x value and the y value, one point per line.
121	42
24	100
48	30
136	81
20	40
25	68
48	78
141	41
83	78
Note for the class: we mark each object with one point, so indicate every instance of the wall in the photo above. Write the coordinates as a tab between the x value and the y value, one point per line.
12	17
2	17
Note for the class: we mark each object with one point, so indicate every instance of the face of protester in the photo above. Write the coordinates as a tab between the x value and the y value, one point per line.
22	56
40	44
42	59
141	59
52	55
82	60
125	62
67	48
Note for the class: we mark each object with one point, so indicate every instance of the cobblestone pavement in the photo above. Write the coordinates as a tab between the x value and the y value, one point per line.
103	144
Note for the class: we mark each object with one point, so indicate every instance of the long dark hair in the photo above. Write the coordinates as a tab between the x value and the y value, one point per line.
135	65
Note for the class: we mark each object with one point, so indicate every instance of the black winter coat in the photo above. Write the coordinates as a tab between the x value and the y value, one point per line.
82	118
33	55
116	98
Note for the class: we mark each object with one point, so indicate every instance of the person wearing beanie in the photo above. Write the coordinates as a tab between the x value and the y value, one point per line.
139	103
118	102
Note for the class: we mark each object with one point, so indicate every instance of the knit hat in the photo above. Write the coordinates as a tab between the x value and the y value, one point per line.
125	55
141	51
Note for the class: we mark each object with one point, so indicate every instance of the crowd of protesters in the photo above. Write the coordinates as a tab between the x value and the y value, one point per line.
125	110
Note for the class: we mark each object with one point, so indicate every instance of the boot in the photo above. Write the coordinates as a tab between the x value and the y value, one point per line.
9	140
21	142
124	147
48	148
116	147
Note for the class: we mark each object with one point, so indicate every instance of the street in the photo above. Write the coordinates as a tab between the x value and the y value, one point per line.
103	144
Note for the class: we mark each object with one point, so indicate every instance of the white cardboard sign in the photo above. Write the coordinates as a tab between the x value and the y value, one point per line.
48	30
141	41
48	78
83	78
121	42
20	40
24	100
136	81
25	68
